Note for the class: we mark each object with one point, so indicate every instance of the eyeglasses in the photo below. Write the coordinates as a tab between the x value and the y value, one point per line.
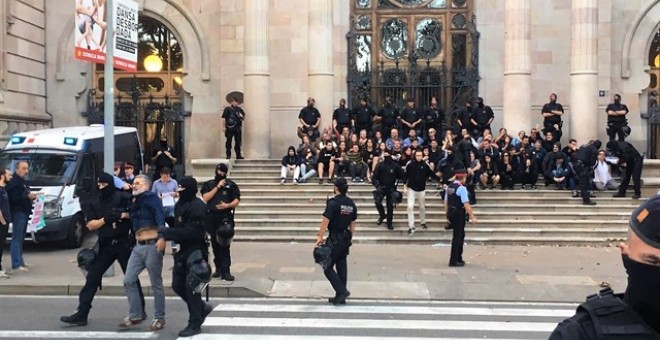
137	184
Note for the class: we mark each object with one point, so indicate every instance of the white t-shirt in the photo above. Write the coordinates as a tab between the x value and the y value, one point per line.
602	172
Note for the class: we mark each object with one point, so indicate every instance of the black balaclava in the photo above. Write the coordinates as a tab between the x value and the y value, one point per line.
109	189
480	102
222	167
188	189
642	293
617	100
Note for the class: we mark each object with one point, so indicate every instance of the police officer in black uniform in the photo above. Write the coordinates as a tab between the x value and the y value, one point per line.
587	155
411	118
457	205
106	215
385	178
388	115
188	232
552	113
633	161
222	196
339	219
309	118
342	118
434	117
364	116
482	116
233	116
635	314
616	119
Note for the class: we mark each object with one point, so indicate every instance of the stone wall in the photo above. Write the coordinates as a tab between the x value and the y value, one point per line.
22	67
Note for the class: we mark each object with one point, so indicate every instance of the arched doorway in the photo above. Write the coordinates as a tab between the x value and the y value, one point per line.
653	92
150	100
413	48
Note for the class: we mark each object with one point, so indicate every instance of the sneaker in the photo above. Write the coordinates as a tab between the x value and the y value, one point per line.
189	331
129	323
534	187
157	325
4	275
380	220
330	180
523	187
411	231
23	269
296	181
592	194
354	180
360	180
283	181
76	319
320	180
424	226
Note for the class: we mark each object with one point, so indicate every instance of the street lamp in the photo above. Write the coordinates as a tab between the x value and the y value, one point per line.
153	63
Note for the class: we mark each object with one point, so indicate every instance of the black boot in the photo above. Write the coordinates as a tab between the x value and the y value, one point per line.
189	331
76	319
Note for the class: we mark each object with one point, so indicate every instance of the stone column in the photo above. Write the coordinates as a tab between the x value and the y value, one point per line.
517	66
256	129
320	58
584	71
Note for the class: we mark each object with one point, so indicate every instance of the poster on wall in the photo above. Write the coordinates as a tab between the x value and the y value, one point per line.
90	32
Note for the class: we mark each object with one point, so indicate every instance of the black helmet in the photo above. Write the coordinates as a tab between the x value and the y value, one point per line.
397	197
226	229
626	130
85	258
323	256
199	272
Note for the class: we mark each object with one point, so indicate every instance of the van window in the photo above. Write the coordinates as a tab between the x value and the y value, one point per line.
86	180
45	169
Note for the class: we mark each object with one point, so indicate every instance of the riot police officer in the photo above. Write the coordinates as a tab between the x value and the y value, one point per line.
457	204
633	315
233	116
385	178
339	219
222	196
587	156
107	215
188	231
616	119
633	160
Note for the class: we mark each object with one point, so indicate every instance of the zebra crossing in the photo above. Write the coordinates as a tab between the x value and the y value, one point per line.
269	319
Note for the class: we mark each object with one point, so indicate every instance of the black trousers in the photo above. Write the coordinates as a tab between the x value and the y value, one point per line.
387	195
4	231
634	170
221	251
237	135
585	176
614	130
529	178
193	300
458	237
472	195
108	254
337	274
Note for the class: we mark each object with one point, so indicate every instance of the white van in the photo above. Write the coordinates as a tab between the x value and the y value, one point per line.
64	165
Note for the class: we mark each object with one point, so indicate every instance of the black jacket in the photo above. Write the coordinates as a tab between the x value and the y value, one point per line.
416	175
587	154
188	229
110	209
386	174
627	152
18	190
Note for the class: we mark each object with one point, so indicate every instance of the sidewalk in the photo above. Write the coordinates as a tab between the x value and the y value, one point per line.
376	271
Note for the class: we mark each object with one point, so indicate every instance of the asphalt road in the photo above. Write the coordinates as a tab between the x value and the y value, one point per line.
275	319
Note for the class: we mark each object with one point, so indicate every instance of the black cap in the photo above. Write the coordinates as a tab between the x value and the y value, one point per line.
645	221
341	184
222	167
106	178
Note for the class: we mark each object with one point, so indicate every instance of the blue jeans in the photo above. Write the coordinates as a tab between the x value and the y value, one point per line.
19	227
145	256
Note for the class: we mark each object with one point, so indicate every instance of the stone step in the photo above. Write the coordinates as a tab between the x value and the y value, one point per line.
440	233
437	213
366	198
260	205
445	240
248	222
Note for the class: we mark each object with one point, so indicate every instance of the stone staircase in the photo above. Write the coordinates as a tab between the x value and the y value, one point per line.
271	212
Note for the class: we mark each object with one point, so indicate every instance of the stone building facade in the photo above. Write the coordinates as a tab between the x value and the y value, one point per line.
278	53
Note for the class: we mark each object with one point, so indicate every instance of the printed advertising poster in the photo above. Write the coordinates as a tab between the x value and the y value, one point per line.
90	32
